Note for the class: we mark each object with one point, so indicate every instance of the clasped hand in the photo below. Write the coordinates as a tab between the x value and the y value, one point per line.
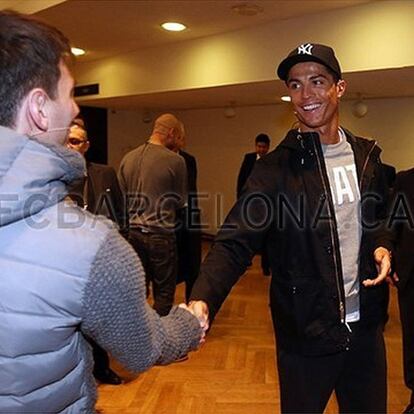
200	310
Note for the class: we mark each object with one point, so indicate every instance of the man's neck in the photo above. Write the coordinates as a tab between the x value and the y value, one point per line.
328	134
155	139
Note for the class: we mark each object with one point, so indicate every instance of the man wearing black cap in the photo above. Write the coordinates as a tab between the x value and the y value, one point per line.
319	201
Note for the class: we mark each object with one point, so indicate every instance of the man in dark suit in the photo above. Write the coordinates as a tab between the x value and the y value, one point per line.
98	193
188	229
262	143
403	220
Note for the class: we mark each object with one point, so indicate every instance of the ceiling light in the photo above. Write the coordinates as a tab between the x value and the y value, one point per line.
77	51
286	98
173	26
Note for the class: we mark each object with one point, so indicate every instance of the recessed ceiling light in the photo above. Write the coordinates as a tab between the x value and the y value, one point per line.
77	51
285	98
173	26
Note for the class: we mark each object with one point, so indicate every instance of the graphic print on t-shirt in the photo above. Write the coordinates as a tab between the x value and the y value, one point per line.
344	185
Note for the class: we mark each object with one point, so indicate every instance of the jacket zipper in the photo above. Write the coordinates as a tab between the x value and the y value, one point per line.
337	278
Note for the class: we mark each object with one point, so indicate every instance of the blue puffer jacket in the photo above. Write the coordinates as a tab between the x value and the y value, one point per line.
46	251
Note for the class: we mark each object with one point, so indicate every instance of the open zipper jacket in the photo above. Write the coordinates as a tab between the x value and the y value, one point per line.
287	204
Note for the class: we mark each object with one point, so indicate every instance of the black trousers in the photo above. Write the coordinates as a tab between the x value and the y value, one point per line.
158	254
189	256
406	305
357	376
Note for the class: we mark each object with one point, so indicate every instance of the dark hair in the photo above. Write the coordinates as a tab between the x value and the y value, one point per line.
30	53
335	75
264	138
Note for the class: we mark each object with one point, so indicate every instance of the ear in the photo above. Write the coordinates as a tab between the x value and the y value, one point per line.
37	109
341	88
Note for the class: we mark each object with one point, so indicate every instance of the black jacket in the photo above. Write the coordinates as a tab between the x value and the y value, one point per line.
188	232
104	195
245	170
287	202
402	218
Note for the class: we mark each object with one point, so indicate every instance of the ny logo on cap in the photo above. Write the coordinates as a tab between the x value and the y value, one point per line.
305	49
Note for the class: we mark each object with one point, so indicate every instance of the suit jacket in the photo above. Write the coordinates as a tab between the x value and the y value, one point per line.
403	207
188	231
104	195
245	170
191	165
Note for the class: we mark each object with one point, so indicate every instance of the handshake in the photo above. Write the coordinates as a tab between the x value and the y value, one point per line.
200	310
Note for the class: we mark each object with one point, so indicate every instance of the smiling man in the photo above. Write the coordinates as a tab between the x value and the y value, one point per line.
318	201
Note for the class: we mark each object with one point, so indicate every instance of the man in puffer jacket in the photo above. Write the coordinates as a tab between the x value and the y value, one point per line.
64	272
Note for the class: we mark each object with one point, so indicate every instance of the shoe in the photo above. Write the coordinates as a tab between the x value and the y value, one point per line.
409	409
108	377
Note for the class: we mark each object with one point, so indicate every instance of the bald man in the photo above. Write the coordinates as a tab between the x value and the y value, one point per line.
155	181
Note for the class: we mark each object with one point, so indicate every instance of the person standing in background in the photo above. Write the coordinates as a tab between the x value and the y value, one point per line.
262	143
188	229
154	179
403	203
99	193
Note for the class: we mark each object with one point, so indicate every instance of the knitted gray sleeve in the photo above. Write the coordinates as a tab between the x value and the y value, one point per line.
117	316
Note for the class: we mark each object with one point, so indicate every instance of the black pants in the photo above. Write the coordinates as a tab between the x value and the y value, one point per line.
357	376
265	262
406	305
189	252
158	254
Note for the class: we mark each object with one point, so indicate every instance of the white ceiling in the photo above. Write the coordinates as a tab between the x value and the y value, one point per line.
109	27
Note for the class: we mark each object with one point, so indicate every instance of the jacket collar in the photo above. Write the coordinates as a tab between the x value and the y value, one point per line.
33	175
303	142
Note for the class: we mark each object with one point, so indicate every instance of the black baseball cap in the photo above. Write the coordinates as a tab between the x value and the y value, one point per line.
309	52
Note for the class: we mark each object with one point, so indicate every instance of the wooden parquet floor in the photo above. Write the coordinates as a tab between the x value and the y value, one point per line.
234	372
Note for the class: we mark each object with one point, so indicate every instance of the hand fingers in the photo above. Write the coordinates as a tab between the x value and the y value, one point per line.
384	271
202	316
200	309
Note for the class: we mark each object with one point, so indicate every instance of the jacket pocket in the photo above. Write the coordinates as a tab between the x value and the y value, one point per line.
299	305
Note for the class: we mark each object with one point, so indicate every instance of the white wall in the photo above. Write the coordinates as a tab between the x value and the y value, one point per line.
219	143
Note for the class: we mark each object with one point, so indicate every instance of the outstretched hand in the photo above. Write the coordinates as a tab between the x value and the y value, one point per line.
382	259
